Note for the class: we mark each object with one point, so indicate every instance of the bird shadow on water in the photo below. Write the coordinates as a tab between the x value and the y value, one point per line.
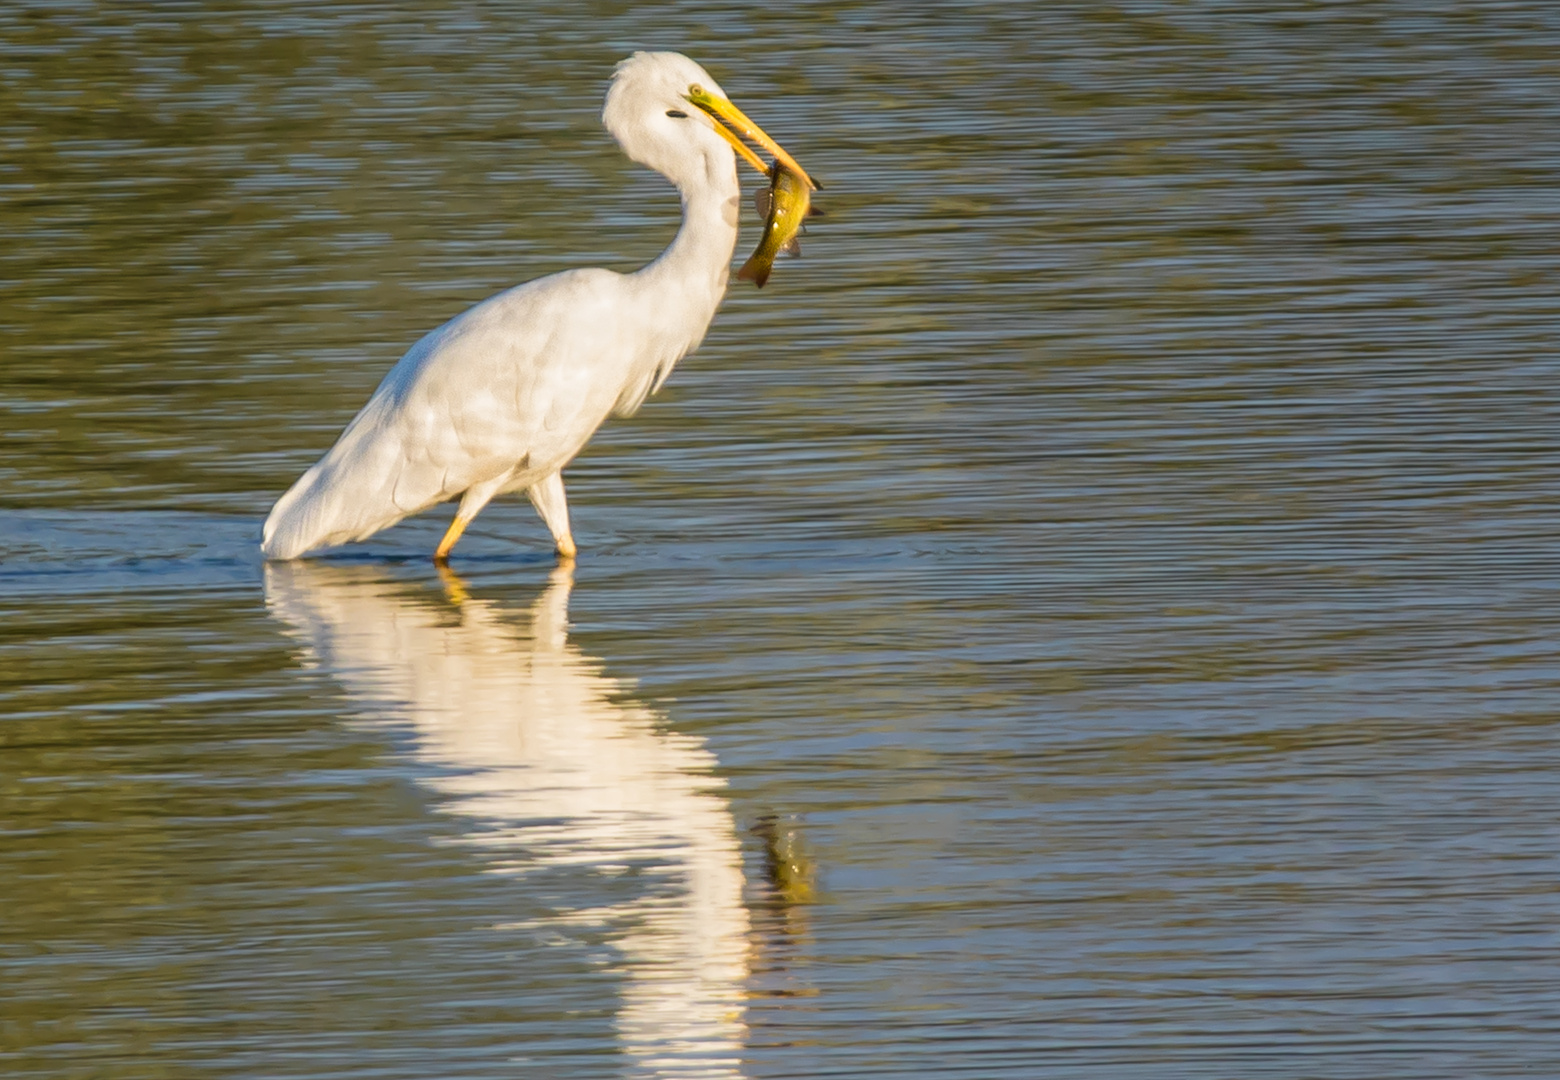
550	764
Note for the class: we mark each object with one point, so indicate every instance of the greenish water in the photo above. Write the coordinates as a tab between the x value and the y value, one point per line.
1094	615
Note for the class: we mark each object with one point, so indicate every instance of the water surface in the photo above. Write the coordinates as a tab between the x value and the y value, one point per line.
1095	614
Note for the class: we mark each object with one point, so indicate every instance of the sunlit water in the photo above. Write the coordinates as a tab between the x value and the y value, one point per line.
1095	614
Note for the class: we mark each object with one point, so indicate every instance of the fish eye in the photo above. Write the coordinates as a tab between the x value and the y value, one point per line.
677	113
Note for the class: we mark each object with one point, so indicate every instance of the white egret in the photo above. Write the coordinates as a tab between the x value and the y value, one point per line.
502	397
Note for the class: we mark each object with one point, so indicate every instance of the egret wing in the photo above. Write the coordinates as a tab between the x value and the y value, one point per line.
512	384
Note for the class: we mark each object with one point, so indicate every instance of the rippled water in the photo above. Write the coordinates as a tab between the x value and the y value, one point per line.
1095	614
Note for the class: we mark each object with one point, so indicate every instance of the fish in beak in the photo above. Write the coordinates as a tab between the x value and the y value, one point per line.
788	200
784	205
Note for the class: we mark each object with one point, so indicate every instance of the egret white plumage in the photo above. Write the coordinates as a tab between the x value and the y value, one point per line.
503	396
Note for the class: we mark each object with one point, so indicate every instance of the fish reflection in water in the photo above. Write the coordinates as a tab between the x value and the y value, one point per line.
538	745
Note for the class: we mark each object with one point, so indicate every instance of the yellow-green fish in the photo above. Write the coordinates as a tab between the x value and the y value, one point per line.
783	206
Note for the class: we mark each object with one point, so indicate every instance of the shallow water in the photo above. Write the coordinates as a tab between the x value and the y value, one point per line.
1095	614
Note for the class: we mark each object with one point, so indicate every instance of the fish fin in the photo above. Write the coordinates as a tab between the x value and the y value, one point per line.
762	201
813	211
791	247
754	270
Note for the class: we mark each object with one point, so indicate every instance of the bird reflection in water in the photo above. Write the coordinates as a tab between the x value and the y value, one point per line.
532	740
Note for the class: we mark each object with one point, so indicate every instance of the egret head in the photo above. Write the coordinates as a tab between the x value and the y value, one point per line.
667	113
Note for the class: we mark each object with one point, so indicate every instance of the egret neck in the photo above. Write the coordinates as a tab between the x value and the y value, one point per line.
689	278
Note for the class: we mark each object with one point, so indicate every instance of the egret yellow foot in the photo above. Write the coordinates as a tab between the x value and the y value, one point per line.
441	554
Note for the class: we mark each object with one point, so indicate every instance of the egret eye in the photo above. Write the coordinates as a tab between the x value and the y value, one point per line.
677	113
695	90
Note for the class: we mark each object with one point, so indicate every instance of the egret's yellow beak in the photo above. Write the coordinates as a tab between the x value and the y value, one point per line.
735	127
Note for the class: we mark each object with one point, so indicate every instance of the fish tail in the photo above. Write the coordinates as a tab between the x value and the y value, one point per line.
755	270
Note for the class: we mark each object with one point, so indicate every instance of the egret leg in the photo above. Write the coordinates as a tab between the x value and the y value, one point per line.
471	503
548	498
